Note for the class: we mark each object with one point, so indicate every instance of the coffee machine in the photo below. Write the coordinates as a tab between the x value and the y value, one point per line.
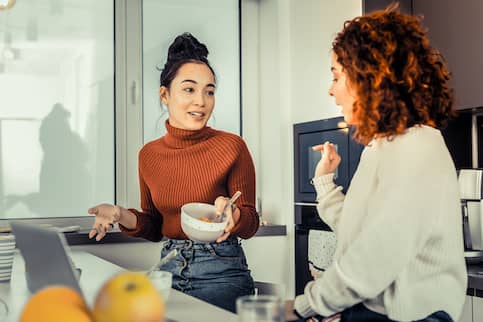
471	194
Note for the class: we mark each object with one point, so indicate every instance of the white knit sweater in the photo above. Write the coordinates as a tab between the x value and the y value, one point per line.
399	233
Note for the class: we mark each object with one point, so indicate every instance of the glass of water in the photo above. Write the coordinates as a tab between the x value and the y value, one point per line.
162	281
260	308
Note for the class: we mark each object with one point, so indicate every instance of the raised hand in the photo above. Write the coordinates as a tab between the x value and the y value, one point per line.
329	160
106	216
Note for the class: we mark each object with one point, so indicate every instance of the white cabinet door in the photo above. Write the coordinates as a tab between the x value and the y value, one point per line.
467	314
477	309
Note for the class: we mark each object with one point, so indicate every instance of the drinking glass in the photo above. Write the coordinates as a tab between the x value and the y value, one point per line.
260	308
162	281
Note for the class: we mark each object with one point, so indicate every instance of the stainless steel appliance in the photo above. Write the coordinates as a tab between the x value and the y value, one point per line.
471	192
307	135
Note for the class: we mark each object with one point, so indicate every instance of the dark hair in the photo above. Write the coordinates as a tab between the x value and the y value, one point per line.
400	80
184	49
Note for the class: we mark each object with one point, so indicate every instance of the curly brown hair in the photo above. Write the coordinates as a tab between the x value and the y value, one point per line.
400	80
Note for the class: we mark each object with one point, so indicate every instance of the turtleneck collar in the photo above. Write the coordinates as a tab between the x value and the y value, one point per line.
180	138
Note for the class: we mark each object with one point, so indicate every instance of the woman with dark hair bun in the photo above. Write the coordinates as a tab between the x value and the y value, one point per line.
399	253
192	163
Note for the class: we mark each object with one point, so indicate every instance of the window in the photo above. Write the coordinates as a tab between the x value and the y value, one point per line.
161	24
56	108
79	96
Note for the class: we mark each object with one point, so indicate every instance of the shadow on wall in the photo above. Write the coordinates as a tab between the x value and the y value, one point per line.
64	177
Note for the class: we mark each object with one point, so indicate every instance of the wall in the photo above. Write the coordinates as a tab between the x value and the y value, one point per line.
314	26
293	48
265	30
286	75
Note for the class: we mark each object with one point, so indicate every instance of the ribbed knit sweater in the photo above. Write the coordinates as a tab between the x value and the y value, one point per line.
399	236
192	166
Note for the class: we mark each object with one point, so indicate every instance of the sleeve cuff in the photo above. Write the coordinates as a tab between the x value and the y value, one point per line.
302	306
324	184
248	224
132	232
297	314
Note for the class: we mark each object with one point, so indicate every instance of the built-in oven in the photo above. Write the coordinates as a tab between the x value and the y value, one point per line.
306	135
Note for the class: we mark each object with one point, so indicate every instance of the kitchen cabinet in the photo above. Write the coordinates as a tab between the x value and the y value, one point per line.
472	310
477	309
467	314
267	260
455	29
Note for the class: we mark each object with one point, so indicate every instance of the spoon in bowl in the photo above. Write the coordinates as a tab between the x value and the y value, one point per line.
228	204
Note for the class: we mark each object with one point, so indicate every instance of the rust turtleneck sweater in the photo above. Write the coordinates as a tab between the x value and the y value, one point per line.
192	166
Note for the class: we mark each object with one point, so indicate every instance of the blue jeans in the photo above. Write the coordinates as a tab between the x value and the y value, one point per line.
213	272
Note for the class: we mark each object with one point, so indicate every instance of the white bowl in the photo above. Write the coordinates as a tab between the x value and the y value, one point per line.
199	230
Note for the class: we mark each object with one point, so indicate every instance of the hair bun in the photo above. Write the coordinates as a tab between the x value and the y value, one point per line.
186	46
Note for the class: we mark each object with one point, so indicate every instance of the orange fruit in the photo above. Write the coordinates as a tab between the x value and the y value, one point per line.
55	304
128	297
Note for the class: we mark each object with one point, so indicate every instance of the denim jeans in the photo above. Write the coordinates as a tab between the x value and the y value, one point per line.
213	272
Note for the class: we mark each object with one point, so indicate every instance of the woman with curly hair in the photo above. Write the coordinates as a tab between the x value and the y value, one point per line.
400	245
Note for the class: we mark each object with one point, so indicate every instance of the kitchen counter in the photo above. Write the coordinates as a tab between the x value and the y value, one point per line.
82	238
95	272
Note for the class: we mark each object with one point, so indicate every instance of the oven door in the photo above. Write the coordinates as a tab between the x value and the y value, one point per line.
302	271
309	158
306	219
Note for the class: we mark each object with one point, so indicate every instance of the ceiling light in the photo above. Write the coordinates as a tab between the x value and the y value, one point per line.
7	4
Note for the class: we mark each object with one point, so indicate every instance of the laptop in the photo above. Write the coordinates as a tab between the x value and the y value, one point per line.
46	259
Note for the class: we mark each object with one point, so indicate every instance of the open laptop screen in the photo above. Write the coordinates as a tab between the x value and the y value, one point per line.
46	259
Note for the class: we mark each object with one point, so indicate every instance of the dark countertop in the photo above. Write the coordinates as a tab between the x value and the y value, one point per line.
271	230
118	237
